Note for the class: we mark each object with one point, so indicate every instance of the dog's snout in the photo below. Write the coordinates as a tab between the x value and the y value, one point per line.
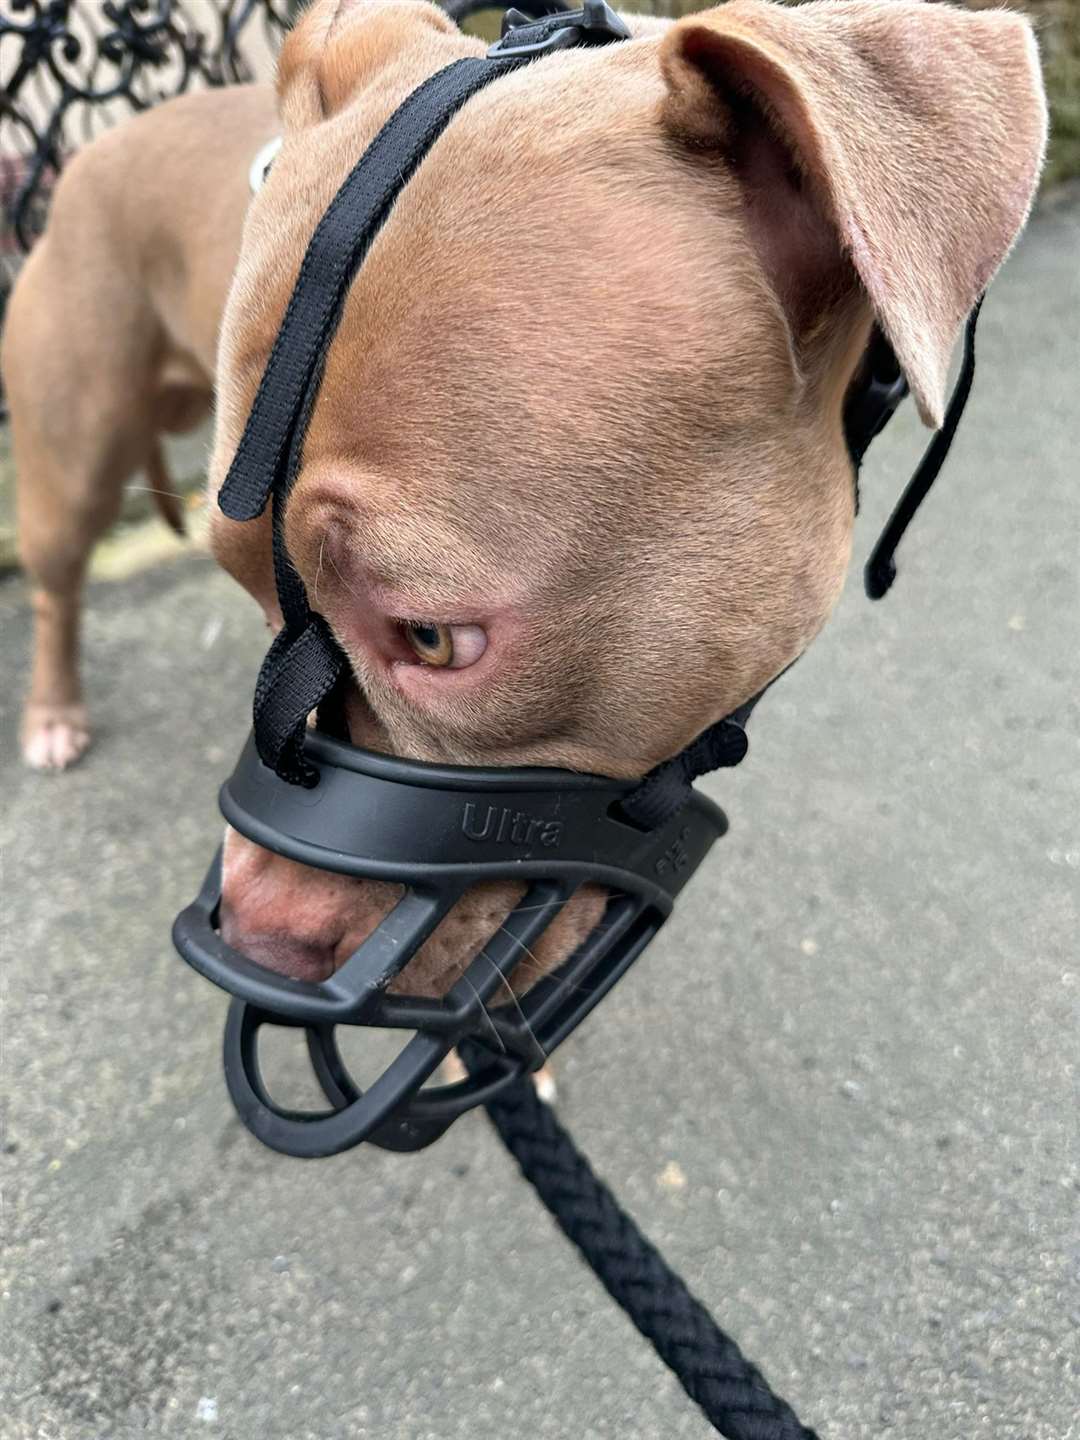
292	919
286	954
305	923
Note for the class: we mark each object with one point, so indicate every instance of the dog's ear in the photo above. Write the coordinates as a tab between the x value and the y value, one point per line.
906	136
337	43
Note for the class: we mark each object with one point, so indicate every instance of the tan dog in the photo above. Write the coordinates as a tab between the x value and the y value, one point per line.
576	482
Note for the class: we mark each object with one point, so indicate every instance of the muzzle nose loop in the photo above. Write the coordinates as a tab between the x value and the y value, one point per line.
358	1115
307	1135
428	1114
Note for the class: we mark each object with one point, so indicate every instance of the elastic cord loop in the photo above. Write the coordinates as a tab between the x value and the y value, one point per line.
880	569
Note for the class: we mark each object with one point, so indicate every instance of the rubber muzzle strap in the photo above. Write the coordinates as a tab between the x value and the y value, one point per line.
305	662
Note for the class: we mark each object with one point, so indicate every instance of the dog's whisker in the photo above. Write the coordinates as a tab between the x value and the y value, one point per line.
502	930
318	569
527	909
483	1008
333	565
513	996
154	490
564	982
522	909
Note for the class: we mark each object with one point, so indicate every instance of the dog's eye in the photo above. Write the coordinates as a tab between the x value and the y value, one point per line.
450	646
431	643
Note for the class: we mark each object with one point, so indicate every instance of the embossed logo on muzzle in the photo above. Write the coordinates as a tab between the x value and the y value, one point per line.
509	827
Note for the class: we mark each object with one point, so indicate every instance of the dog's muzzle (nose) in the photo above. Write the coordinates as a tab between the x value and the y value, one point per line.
436	831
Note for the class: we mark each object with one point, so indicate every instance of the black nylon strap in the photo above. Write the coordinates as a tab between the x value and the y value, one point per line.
667	788
292	596
305	662
299	672
335	252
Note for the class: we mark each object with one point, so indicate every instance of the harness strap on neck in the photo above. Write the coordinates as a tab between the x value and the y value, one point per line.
880	569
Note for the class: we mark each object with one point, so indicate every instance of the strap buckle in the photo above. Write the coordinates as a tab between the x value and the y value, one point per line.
594	24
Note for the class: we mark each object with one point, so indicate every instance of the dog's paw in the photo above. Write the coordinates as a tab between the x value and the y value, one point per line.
54	736
544	1084
452	1070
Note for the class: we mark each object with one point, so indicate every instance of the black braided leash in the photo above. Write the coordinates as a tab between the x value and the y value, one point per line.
708	1364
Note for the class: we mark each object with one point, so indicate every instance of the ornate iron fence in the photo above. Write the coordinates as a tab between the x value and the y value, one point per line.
69	68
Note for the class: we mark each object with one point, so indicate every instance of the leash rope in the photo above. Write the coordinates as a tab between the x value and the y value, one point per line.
734	1395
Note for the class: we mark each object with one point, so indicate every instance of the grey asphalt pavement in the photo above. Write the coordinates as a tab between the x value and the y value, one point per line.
840	1092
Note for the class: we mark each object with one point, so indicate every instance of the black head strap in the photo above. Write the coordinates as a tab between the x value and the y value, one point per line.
871	407
336	251
305	662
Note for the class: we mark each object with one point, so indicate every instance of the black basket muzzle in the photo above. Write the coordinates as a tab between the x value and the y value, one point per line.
436	831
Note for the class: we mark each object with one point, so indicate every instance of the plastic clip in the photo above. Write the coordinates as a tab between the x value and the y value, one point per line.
594	24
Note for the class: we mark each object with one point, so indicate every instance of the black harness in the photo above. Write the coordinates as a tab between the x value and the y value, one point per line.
438	830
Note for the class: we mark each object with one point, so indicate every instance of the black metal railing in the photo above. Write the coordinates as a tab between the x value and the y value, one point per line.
69	68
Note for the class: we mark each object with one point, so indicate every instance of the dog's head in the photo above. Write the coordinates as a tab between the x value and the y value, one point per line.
576	483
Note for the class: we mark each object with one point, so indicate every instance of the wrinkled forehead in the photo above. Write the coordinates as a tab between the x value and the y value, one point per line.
554	287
